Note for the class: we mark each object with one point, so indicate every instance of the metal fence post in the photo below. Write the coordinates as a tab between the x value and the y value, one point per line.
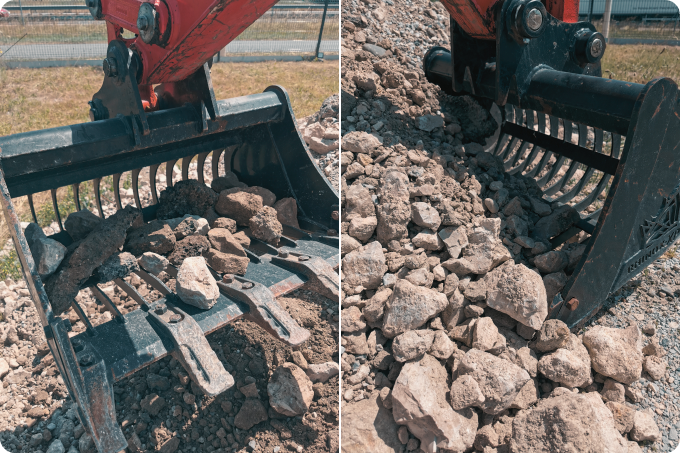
21	11
590	11
323	21
607	18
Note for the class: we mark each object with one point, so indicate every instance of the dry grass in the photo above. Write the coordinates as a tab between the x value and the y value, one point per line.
641	63
32	99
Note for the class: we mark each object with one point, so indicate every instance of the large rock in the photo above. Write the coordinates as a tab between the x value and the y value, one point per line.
286	212
569	422
412	344
240	206
195	284
393	217
321	372
569	365
223	241
394	187
364	267
409	307
47	253
499	380
81	223
155	236
228	181
465	392
360	142
362	228
419	402
615	353
105	240
644	427
518	292
425	215
266	226
358	203
484	252
553	334
251	413
185	197
455	240
153	262
290	390
368	426
190	225
551	262
227	263
189	247
558	222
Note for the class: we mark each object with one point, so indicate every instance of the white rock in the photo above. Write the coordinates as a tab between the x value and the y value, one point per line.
195	284
153	262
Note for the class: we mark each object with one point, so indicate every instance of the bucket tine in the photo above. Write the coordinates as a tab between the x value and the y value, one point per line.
186	162
135	187
200	164
169	170
216	163
30	205
108	303
116	191
597	147
554	132
535	149
96	183
76	195
568	132
511	163
83	317
55	205
152	182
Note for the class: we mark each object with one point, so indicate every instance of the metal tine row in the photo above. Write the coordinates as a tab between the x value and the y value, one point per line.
153	172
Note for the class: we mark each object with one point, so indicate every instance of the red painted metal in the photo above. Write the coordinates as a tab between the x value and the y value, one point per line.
198	29
477	17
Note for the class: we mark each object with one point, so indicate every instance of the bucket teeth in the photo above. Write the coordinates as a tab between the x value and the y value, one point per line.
322	277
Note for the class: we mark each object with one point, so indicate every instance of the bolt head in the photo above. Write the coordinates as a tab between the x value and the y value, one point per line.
572	304
86	360
596	48
175	318
534	19
110	67
228	278
161	309
284	254
247	285
335	215
303	258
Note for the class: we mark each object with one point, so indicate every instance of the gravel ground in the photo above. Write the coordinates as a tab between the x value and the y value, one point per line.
36	414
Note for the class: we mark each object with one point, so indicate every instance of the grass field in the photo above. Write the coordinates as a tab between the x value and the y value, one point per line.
641	63
32	99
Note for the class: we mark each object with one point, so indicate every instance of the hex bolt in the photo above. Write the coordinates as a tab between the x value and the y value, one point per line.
303	258
175	318
335	215
596	48
248	285
283	254
110	67
161	309
534	19
228	278
86	360
78	344
572	304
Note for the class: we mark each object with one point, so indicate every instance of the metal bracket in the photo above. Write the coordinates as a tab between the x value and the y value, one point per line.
192	349
264	310
322	277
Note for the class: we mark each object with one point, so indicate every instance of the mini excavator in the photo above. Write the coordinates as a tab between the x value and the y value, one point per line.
156	106
605	147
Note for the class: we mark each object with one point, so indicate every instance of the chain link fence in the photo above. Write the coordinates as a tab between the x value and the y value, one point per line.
59	31
635	21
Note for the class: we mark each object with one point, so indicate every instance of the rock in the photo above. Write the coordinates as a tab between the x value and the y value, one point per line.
394	187
455	240
623	416
518	292
227	224
86	444
174	223
526	397
290	390
425	216
190	226
553	284
155	236
644	427
47	255
321	372
412	344
189	247
410	307
615	353
152	404
568	422
185	197
226	263
56	447
553	261
485	334
195	284
360	142
368	426
80	224
569	365
362	228
428	239
358	202
419	402
540	208
223	241
4	368
428	123
393	217
554	334
558	222
613	391
240	206
655	367
251	413
375	50
118	265
484	252
265	226
105	240
442	346
364	267
286	212
153	262
499	380
228	181
465	393
155	381
526	358
351	320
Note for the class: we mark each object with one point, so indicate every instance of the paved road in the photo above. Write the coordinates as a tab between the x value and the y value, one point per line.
97	51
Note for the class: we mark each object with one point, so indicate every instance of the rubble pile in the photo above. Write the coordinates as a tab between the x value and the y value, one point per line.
448	271
321	132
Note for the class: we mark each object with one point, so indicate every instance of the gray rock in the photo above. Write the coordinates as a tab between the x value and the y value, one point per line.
375	50
47	254
80	224
56	447
119	265
195	284
558	222
153	262
290	390
410	307
553	261
428	123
